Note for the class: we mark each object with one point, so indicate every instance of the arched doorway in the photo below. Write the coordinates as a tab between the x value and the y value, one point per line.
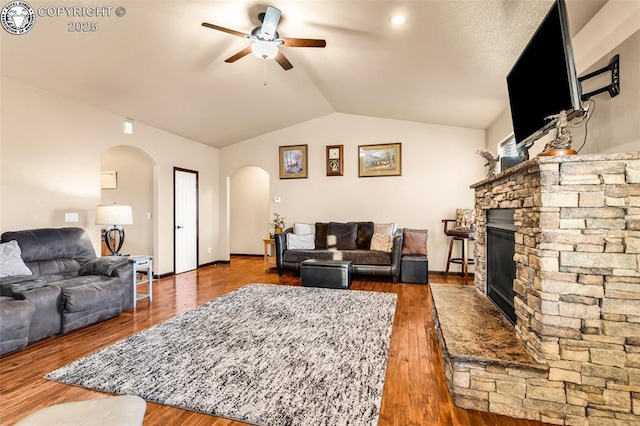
135	175
248	210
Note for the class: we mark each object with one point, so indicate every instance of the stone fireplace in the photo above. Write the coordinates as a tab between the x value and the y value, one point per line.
576	291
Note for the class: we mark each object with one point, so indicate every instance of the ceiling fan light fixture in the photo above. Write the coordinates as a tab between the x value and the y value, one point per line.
398	20
264	49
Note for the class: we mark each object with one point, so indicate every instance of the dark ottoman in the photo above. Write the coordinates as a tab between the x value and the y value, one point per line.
414	269
326	273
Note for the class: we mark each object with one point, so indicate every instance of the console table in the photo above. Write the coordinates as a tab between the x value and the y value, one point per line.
142	265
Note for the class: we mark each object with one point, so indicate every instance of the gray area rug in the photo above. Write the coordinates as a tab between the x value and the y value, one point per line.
263	354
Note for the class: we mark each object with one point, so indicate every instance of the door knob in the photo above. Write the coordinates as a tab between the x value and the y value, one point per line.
179	227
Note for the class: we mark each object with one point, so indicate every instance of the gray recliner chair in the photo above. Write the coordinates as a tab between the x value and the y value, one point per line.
70	287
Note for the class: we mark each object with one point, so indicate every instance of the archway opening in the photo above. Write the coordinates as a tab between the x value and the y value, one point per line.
133	173
249	210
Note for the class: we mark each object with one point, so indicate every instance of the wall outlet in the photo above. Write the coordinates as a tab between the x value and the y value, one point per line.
209	250
149	215
276	200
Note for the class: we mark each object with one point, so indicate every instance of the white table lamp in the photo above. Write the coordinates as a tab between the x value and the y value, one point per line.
114	215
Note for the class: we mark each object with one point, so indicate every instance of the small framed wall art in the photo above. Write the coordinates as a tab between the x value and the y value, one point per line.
293	161
335	160
380	160
109	180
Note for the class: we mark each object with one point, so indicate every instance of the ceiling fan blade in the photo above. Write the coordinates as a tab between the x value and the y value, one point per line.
270	23
241	54
225	30
303	42
283	61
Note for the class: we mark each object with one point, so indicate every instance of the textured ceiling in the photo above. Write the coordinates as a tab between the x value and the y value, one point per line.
159	66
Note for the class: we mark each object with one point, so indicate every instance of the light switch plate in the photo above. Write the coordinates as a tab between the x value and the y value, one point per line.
71	217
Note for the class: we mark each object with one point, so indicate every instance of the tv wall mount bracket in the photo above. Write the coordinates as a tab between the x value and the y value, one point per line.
614	87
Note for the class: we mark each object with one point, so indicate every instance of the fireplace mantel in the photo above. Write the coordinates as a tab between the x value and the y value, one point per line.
577	285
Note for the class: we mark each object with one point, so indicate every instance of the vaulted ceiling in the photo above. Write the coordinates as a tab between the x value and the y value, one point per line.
158	65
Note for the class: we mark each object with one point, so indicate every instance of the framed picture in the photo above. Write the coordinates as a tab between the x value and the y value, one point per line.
335	160
380	160
293	161
109	180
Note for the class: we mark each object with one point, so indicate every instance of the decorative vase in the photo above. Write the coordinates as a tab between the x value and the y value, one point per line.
277	230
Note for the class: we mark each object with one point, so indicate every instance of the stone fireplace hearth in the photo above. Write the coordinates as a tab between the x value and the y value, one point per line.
576	287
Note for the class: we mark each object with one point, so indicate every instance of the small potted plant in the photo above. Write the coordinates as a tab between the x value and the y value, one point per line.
277	223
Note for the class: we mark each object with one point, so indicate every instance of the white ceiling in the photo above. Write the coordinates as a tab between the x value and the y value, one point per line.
158	65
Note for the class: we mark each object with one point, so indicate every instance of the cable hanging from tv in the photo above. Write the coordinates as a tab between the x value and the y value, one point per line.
613	88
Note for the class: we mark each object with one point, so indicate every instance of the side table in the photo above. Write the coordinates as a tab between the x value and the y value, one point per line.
269	253
143	266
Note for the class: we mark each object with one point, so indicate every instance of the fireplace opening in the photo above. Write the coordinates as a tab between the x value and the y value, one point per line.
501	269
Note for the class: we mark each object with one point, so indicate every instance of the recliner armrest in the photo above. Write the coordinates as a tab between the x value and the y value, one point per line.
103	265
396	255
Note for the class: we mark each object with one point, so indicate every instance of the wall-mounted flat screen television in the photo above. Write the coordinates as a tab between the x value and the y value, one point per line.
543	81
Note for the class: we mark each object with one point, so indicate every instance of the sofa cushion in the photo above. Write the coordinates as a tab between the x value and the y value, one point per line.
382	243
53	243
304	228
55	269
357	257
342	236
300	242
89	292
465	218
321	235
414	242
364	235
384	228
11	263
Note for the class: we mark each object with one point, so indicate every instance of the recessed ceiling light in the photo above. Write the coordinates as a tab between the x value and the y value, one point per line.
398	20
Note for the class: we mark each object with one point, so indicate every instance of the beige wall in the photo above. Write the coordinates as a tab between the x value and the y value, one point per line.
50	164
439	163
614	126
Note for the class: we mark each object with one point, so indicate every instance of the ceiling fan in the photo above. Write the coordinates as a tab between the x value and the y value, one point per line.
266	39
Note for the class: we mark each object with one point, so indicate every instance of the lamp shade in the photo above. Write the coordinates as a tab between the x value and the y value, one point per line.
114	214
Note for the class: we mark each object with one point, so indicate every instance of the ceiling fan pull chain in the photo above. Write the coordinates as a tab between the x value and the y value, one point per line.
264	60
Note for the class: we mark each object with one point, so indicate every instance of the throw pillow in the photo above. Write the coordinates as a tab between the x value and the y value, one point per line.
342	236
414	242
11	263
300	242
304	228
363	237
384	228
465	218
321	235
381	242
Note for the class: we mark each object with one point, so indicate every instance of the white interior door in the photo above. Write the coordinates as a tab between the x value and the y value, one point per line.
185	197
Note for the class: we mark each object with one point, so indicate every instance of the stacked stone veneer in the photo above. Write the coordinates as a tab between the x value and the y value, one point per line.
577	290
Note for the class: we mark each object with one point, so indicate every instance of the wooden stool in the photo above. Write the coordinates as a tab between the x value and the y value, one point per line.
462	235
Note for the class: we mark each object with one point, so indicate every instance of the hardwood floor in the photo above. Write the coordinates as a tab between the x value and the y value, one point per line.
415	391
